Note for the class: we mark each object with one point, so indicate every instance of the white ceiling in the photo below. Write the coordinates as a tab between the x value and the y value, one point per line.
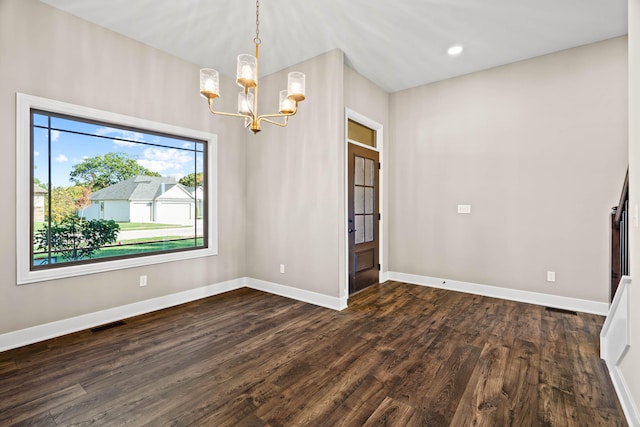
397	44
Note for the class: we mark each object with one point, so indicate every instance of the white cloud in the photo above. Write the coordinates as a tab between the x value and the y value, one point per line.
130	138
36	153
61	158
156	165
55	134
165	159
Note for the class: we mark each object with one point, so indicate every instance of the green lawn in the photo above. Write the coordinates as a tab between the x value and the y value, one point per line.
139	245
140	248
146	247
147	226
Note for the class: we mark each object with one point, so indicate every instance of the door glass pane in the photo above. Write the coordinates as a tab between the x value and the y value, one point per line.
359	171
368	200
368	172
358	200
368	228
359	229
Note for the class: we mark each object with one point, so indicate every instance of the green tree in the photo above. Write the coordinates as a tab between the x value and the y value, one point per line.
100	171
84	201
191	180
64	201
74	239
40	183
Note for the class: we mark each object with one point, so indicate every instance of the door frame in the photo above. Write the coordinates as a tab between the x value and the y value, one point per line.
371	124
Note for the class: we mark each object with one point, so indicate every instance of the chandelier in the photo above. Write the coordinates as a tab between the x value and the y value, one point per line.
247	78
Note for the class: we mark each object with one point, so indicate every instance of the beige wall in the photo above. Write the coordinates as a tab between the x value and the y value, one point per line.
364	97
294	184
48	53
537	148
629	365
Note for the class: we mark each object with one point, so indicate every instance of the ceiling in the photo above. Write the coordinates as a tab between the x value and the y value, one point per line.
397	44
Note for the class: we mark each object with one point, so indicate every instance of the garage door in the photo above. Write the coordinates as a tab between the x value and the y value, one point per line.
174	213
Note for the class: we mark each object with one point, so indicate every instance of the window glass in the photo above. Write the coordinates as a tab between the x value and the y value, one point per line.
360	133
105	192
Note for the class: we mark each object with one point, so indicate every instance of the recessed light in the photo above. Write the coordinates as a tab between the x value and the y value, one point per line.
455	50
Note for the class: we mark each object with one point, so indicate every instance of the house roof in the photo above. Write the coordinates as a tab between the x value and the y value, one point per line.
38	189
140	187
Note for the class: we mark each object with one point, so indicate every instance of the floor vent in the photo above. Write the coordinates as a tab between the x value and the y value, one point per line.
559	310
108	326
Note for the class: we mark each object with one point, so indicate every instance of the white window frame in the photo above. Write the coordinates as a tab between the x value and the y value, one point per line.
24	104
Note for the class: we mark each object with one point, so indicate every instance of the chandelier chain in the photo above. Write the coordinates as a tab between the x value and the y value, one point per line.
257	40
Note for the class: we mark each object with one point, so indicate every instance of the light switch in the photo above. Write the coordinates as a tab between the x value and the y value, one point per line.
464	209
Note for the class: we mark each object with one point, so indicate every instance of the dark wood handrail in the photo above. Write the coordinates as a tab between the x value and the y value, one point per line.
624	196
620	238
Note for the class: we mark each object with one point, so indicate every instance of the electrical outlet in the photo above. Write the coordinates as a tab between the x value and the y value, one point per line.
464	209
143	280
551	276
282	268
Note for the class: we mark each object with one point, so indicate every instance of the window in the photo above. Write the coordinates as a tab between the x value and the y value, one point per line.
97	191
360	133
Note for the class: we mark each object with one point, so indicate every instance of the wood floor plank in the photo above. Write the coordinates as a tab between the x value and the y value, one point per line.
391	413
39	407
43	419
521	384
440	400
7	366
557	403
483	395
357	407
399	355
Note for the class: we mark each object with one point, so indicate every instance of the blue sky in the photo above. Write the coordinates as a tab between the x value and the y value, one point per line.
175	157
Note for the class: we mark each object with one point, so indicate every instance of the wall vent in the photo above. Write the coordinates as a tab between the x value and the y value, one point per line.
559	310
108	326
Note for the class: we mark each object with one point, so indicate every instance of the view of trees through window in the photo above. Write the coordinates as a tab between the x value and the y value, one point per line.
103	192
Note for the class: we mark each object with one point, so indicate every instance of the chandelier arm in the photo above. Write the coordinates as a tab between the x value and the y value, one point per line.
261	117
221	113
273	122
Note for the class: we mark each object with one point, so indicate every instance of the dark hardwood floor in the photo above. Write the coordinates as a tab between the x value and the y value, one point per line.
400	355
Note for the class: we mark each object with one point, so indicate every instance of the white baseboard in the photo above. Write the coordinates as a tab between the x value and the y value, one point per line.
58	328
66	326
384	276
334	303
547	300
624	396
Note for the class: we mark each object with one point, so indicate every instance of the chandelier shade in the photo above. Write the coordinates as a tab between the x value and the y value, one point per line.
247	71
247	79
209	84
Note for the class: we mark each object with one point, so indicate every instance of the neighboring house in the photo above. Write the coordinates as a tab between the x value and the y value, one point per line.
39	194
198	194
143	199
